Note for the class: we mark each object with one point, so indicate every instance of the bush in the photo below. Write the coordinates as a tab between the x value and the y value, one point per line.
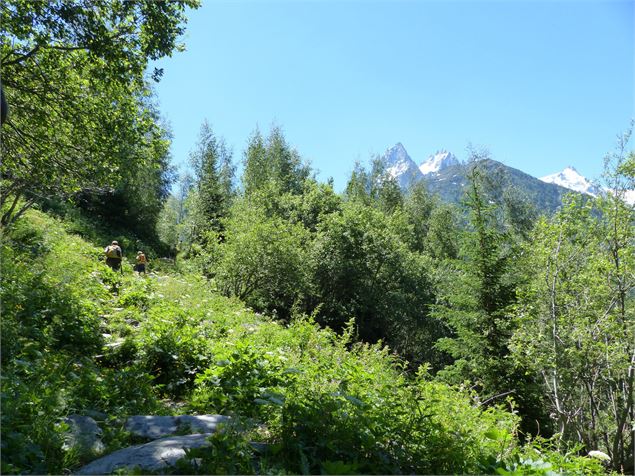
171	349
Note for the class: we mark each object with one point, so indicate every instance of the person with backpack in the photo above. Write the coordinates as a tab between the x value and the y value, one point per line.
113	255
140	267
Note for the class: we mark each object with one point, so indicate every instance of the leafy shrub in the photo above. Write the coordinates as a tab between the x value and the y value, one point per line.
261	261
545	457
241	380
229	452
170	349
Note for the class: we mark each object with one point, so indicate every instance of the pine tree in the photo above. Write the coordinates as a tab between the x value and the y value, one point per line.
477	295
273	164
213	170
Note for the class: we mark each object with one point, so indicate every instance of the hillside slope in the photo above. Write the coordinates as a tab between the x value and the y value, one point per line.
78	338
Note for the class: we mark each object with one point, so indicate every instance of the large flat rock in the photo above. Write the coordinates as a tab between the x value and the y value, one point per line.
151	456
150	426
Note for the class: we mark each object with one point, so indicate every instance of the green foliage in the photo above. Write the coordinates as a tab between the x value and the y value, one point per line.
54	290
136	200
79	338
74	79
241	381
229	453
576	322
170	350
542	457
213	184
174	225
272	162
476	293
261	261
374	188
362	268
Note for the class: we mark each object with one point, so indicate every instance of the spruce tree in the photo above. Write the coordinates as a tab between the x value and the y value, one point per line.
213	171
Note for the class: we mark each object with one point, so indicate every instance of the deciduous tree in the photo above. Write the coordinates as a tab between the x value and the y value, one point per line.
73	74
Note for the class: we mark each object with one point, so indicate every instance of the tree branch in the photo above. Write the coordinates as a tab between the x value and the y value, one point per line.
20	58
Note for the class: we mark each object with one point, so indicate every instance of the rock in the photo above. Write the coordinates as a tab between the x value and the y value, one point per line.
202	423
83	435
159	426
114	344
151	426
152	456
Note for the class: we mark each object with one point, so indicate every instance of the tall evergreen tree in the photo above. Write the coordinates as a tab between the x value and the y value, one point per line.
273	164
375	187
213	172
477	293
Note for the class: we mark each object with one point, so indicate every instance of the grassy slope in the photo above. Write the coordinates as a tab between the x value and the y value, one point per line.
78	338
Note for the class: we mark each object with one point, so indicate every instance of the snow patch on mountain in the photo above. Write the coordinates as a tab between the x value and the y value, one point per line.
437	162
570	178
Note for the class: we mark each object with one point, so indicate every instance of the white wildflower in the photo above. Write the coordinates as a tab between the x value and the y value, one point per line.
599	455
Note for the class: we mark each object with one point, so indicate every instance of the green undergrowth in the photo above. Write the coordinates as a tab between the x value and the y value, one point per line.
78	338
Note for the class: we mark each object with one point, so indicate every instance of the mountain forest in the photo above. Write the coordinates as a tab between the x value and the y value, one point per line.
380	330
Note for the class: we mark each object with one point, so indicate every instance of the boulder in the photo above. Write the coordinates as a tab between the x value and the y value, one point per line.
201	423
152	456
149	426
83	435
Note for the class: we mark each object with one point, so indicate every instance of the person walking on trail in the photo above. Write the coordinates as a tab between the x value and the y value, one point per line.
113	255
140	267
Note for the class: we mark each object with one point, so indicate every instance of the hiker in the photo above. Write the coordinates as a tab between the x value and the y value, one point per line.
140	267
113	255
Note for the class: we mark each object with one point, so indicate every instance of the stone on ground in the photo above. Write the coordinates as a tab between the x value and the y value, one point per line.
150	426
152	456
83	435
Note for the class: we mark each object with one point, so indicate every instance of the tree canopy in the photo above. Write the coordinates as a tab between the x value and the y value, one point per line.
74	77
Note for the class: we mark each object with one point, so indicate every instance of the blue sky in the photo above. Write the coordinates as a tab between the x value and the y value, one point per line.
541	84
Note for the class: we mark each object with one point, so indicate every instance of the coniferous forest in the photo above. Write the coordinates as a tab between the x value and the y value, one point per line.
377	330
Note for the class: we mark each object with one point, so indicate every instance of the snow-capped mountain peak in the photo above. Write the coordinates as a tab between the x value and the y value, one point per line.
397	160
570	178
400	166
437	162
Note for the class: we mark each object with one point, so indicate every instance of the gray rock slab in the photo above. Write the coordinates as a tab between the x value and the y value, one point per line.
83	435
150	426
151	456
201	423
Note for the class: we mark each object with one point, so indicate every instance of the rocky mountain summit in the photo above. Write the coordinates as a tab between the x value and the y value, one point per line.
437	162
400	166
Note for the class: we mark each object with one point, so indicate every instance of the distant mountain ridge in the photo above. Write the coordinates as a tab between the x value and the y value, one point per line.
446	176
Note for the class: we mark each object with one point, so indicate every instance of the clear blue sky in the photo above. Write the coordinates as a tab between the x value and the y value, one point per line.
542	84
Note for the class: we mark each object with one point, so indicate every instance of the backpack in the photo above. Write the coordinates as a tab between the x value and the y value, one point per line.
113	252
141	259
